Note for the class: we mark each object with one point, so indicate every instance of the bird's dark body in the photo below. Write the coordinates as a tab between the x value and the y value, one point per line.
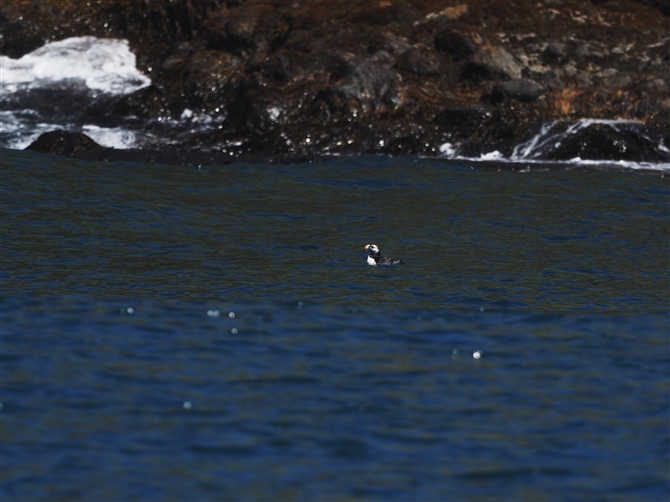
385	260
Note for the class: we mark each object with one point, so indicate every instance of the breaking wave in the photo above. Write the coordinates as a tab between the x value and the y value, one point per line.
556	141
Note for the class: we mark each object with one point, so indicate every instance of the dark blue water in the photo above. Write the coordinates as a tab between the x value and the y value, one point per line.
173	333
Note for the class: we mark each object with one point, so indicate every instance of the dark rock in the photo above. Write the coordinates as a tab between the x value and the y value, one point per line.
503	126
661	5
262	116
62	143
389	43
354	73
240	30
176	55
484	58
215	33
208	62
419	61
566	77
602	97
378	12
655	87
464	121
278	68
457	44
617	81
277	29
492	62
434	20
235	32
604	142
523	90
581	51
510	124
647	108
555	53
23	30
147	102
369	84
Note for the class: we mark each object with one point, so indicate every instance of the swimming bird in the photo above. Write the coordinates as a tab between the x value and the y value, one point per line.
375	257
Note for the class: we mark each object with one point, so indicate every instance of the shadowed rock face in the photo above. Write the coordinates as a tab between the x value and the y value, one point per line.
374	76
522	90
63	143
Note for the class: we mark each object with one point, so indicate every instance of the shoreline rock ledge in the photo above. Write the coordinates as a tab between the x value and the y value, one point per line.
313	77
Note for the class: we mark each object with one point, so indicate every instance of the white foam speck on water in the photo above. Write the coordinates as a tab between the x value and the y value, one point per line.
494	155
105	65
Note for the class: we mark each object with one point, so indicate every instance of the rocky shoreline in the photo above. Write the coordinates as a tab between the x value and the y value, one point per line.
305	78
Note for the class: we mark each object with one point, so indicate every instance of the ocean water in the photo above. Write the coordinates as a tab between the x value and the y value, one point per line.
214	332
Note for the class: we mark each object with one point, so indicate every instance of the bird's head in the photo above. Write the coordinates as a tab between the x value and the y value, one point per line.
372	249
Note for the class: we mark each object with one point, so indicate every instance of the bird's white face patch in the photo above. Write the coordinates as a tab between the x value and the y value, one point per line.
372	248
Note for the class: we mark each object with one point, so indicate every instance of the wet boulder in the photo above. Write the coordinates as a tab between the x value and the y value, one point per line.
464	121
361	85
377	13
616	81
436	19
214	33
62	143
263	115
276	68
456	43
234	30
209	62
420	61
655	87
176	55
23	31
389	43
523	90
555	52
493	61
510	123
240	30
581	52
647	108
563	78
208	78
603	141
482	57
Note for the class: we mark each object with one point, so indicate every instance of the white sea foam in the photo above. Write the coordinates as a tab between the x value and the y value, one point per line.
15	134
448	150
76	65
494	155
110	137
105	65
116	137
20	129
